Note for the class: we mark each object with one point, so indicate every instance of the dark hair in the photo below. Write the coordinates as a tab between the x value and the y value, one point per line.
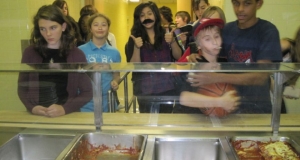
76	28
88	9
52	13
60	4
167	13
80	21
195	4
184	15
295	51
138	29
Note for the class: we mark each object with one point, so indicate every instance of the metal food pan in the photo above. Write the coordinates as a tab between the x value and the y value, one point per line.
34	146
189	148
289	140
137	142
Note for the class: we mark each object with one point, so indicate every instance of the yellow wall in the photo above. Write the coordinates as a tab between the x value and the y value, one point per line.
117	11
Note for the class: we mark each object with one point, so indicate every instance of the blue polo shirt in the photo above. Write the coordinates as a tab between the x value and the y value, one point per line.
104	54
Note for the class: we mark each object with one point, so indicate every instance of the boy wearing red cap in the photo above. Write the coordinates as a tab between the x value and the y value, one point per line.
209	41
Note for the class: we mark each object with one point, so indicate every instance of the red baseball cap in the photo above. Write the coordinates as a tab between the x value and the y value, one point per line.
204	22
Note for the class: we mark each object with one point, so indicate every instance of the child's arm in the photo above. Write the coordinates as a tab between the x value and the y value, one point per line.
115	82
229	101
176	50
138	43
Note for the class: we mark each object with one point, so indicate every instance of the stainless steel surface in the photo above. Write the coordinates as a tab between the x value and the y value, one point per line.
293	141
34	147
276	108
110	140
37	144
97	98
184	147
155	67
126	94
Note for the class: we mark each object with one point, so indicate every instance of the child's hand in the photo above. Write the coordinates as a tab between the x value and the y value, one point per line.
138	42
169	37
230	101
39	110
55	110
183	36
193	57
114	85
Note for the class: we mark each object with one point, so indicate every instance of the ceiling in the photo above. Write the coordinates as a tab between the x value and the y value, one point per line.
159	1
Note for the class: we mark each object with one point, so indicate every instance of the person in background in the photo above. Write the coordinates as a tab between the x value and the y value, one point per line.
210	12
208	40
295	51
150	43
291	53
83	27
52	41
98	50
287	46
62	4
88	9
249	39
199	6
182	18
78	38
166	16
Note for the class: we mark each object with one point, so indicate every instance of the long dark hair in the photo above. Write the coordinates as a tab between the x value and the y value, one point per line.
138	30
60	4
195	4
80	21
52	13
167	13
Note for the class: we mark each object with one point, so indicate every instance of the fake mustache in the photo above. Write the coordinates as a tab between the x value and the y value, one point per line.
147	21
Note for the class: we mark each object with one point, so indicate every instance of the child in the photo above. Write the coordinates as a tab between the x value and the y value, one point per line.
150	43
98	50
53	41
208	40
85	14
182	18
166	16
199	6
249	39
210	12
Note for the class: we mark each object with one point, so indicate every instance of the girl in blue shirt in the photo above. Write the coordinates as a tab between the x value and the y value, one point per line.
98	50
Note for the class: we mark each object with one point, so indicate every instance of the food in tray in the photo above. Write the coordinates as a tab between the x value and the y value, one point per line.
278	150
87	151
258	150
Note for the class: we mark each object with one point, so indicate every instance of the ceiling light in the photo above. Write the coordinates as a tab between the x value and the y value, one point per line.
134	0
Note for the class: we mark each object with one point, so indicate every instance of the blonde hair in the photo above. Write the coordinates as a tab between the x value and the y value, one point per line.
213	9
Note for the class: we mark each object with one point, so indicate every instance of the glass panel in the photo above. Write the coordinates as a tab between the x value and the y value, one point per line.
160	89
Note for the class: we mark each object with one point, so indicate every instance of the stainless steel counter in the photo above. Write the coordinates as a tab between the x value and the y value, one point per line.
54	144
